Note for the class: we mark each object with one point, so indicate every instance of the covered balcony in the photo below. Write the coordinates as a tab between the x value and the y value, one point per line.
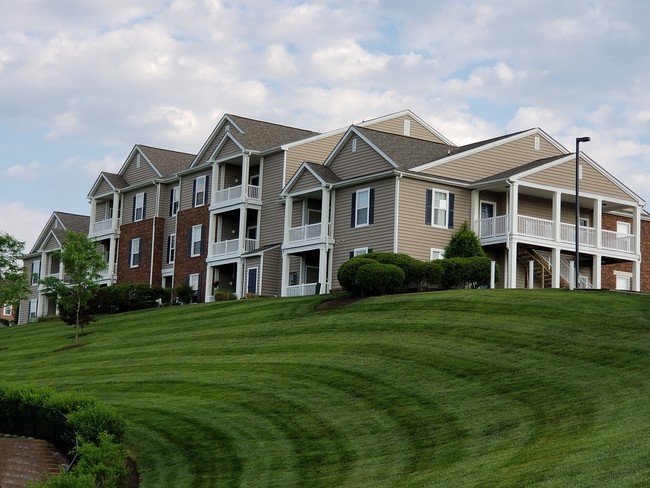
233	233
236	182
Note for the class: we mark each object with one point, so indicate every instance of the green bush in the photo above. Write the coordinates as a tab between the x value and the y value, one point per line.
432	274
184	293
125	297
466	272
224	295
413	268
379	279
347	273
464	243
92	420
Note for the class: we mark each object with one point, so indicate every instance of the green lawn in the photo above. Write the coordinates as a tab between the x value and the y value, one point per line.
471	388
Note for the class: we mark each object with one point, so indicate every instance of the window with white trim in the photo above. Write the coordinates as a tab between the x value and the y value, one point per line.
174	201
138	207
360	251
171	248
194	281
33	309
437	207
36	272
8	310
135	252
437	254
199	191
362	210
623	228
623	280
195	240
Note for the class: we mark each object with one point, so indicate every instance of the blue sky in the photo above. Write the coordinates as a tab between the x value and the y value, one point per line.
82	82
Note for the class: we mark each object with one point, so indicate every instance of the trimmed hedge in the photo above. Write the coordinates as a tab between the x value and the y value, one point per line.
347	273
413	269
380	279
466	272
127	297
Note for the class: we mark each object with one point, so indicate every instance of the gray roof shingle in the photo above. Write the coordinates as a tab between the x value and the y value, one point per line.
167	162
262	136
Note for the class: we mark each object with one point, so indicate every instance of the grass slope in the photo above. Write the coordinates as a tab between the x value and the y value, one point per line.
485	388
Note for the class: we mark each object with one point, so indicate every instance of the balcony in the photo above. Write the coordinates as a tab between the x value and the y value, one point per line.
234	195
307	234
230	248
103	227
496	229
302	290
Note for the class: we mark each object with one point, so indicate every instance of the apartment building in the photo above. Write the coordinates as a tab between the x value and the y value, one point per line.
268	209
43	261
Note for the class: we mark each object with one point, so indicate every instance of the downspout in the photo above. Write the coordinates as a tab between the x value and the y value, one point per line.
396	217
153	231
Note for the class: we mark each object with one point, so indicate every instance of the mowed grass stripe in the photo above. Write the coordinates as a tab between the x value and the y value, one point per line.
464	388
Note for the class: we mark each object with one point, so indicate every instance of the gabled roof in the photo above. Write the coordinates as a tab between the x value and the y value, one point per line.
403	113
520	169
74	222
116	182
58	224
322	173
166	161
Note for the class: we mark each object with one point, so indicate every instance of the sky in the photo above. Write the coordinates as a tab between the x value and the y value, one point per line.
82	82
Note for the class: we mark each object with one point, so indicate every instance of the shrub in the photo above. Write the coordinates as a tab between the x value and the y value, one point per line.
225	295
91	421
185	293
347	273
432	274
379	279
466	272
464	243
413	268
128	296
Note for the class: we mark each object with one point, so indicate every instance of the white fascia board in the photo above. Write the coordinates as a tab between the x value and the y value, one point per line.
353	130
44	232
612	178
313	138
98	181
148	161
402	113
224	119
491	145
303	167
222	143
47	238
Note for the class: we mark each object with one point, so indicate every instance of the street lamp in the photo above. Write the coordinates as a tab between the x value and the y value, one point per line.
577	263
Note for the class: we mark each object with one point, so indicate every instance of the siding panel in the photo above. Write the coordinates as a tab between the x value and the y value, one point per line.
134	175
306	181
364	161
313	151
396	126
272	217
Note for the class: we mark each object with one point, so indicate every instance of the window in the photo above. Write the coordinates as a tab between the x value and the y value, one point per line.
171	248
359	251
251	281
139	202
439	209
36	272
363	207
437	254
8	309
33	309
174	201
195	240
199	190
623	280
194	281
135	252
623	228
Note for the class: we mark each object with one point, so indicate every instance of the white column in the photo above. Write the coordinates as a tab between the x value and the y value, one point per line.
93	214
636	265
512	265
475	210
209	278
531	274
556	267
597	271
242	229
215	182
325	214
322	270
116	212
557	217
112	243
245	170
572	274
240	278
598	222
514	208
212	232
288	209
285	274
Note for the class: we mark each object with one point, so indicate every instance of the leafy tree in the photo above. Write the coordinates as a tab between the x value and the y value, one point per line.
82	265
464	243
13	282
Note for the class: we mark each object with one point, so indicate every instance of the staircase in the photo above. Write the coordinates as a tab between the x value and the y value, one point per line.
542	267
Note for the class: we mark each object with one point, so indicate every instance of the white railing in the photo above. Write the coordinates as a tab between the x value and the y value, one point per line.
302	290
231	246
531	226
305	232
234	193
618	241
493	227
102	226
587	234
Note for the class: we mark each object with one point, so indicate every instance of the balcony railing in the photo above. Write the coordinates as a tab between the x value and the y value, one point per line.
234	194
102	227
305	232
231	247
496	227
302	290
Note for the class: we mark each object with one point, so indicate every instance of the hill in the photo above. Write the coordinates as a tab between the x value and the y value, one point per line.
515	388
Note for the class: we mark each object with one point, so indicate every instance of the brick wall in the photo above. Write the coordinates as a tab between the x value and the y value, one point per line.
143	272
185	265
608	276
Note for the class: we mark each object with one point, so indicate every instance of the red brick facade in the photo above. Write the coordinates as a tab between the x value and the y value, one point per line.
608	276
142	273
185	264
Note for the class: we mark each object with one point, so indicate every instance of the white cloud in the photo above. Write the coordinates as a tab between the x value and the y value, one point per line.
29	171
21	222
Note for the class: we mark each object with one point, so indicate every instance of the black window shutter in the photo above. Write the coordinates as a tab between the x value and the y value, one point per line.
144	206
451	211
205	191
353	215
371	207
189	246
169	247
194	194
133	216
369	250
351	254
130	250
171	202
428	207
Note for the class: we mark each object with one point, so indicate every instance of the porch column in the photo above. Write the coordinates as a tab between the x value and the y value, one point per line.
112	244
322	270
212	232
240	278
514	208
242	230
597	271
245	170
531	275
475	210
325	214
285	274
598	222
557	218
116	212
636	265
93	214
556	267
511	281
209	279
288	209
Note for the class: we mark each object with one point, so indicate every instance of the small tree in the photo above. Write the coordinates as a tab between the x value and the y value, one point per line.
13	281
82	265
464	243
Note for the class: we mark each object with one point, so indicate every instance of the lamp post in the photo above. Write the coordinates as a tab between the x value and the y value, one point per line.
577	263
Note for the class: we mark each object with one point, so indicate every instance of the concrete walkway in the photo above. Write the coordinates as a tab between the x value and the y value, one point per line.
23	460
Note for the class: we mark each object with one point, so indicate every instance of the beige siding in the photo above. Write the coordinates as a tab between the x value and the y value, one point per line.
211	147
134	174
271	274
491	161
539	208
229	149
396	126
51	244
377	236
104	188
564	176
253	262
272	218
296	213
306	181
416	237
313	151
187	188
500	199
231	173
364	161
